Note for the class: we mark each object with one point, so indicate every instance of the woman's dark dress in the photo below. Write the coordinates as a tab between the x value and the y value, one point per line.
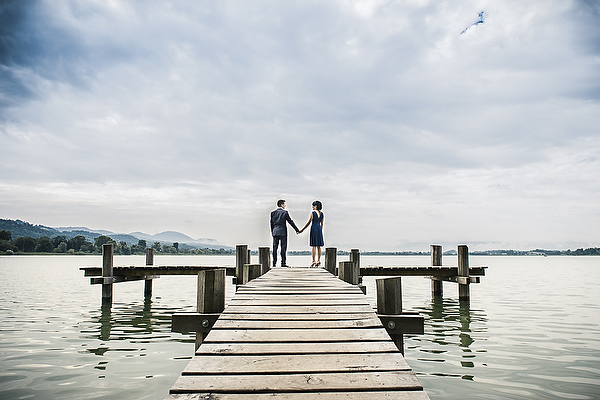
316	232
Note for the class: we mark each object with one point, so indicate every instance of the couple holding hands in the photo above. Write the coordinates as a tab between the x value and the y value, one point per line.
279	218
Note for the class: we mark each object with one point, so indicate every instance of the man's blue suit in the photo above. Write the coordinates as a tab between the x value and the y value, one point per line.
279	217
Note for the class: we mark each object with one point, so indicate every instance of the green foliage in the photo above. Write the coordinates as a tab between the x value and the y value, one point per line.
102	240
5	235
44	245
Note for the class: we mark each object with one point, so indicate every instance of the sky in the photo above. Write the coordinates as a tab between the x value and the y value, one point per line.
415	122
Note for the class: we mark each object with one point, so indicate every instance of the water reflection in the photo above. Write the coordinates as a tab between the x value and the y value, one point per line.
137	323
452	328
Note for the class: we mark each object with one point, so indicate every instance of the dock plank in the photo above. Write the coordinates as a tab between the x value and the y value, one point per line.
350	395
296	363
308	382
298	348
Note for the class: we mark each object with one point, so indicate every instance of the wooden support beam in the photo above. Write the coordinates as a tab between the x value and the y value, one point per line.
405	323
193	322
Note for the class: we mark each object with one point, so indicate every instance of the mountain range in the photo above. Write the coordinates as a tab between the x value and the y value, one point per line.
20	228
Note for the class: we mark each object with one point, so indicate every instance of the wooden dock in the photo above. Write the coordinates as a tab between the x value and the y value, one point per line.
298	333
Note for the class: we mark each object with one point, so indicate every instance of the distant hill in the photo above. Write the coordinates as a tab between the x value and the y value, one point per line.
20	228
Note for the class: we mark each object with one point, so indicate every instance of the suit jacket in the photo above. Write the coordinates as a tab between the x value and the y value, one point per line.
278	222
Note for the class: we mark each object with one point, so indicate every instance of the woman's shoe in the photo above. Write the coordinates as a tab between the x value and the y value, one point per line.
318	264
313	264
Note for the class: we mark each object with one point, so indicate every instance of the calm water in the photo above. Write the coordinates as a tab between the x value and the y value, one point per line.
532	330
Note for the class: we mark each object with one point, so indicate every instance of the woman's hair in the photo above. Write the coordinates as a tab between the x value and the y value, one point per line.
318	204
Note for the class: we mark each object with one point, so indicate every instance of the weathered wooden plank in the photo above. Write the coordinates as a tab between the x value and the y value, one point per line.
154	270
232	308
386	346
290	301
287	324
438	271
364	381
351	395
307	296
295	335
333	316
295	364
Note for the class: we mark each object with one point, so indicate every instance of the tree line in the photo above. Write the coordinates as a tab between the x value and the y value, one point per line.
81	245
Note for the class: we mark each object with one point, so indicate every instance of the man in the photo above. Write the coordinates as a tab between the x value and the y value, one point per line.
279	217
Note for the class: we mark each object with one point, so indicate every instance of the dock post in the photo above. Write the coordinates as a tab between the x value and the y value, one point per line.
389	302
107	273
264	258
241	258
349	272
148	281
211	295
437	287
463	273
251	271
330	259
355	257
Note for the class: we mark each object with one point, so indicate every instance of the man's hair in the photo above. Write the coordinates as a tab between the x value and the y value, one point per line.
318	204
280	202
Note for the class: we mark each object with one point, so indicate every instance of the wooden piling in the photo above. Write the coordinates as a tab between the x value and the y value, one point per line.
349	272
148	281
330	259
437	287
211	295
463	273
251	271
389	302
355	257
241	258
107	273
264	258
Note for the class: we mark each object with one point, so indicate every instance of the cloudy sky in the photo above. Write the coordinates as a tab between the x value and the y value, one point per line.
415	122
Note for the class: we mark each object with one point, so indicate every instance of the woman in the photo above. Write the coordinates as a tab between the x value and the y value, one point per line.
316	232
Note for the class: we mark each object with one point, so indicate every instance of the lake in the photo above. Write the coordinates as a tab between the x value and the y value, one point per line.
531	331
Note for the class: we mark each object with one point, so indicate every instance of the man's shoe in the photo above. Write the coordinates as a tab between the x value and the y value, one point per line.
284	266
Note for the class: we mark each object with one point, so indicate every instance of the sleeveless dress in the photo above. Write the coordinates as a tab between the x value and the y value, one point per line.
316	232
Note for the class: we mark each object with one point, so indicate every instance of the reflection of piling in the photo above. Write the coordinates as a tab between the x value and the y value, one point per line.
148	281
107	273
437	287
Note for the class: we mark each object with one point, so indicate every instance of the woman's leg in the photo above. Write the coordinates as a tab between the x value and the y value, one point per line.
314	253
319	255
